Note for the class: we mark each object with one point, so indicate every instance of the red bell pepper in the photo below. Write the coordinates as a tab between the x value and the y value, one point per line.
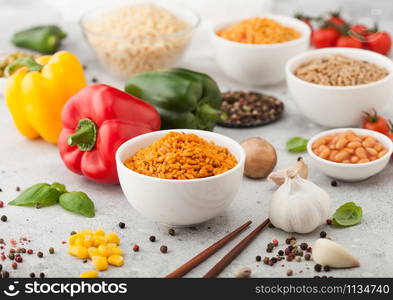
96	121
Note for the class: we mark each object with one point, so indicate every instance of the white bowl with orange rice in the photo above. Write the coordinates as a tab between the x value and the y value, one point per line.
180	202
262	63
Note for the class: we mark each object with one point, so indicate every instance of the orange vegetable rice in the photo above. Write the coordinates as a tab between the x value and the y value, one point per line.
259	31
179	155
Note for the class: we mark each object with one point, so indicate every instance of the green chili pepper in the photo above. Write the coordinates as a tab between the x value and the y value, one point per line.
44	39
183	98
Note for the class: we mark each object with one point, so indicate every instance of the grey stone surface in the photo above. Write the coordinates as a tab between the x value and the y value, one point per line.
25	162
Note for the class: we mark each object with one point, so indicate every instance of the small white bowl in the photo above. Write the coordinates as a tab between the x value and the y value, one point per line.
351	172
261	64
179	202
340	106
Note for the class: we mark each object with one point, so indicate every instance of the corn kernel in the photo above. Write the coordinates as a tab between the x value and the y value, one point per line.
104	250
98	240
78	251
93	251
100	263
99	232
86	232
116	251
112	238
88	242
116	260
89	274
79	241
72	238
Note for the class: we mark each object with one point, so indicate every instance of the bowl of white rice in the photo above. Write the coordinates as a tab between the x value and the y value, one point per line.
140	37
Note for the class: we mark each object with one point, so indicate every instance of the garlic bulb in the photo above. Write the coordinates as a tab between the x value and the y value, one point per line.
328	253
298	205
279	176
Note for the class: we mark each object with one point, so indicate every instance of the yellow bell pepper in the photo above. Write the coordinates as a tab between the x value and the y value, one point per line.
37	91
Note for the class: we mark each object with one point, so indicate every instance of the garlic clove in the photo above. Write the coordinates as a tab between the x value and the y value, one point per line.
279	176
328	253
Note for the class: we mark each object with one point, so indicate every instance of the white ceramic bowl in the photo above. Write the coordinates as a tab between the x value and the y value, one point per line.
337	106
351	172
179	202
261	64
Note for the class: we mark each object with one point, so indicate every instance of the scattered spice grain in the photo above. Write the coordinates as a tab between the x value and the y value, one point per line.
152	238
164	249
40	254
171	232
51	250
4	218
122	225
289	272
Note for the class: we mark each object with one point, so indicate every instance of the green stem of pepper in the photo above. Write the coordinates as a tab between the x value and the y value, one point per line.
85	136
28	62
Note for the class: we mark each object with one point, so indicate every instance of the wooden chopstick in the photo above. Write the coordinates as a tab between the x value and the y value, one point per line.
227	259
201	257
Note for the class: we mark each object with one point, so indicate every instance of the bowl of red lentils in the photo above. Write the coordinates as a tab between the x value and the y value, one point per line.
180	177
350	154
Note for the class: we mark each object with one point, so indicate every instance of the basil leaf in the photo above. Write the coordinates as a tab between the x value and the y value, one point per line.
39	195
60	187
348	214
297	144
77	202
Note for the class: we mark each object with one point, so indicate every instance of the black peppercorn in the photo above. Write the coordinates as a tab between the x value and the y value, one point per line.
6	274
322	234
299	158
326	268
18	189
73	232
152	238
94	80
273	259
258	258
42	275
164	249
1	267
122	225
171	232
307	256
4	218
303	246
32	275
40	254
318	268
280	252
329	221
334	183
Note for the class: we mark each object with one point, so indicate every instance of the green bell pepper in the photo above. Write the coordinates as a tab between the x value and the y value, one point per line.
44	39
183	98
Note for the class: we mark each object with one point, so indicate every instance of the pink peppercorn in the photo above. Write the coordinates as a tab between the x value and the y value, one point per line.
287	251
30	251
135	248
275	243
18	259
14	265
1	204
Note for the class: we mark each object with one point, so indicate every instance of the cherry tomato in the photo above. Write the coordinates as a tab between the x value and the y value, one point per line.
359	29
390	133
379	42
336	19
375	123
324	37
349	41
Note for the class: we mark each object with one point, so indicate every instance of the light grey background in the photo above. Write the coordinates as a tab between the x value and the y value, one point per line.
26	162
